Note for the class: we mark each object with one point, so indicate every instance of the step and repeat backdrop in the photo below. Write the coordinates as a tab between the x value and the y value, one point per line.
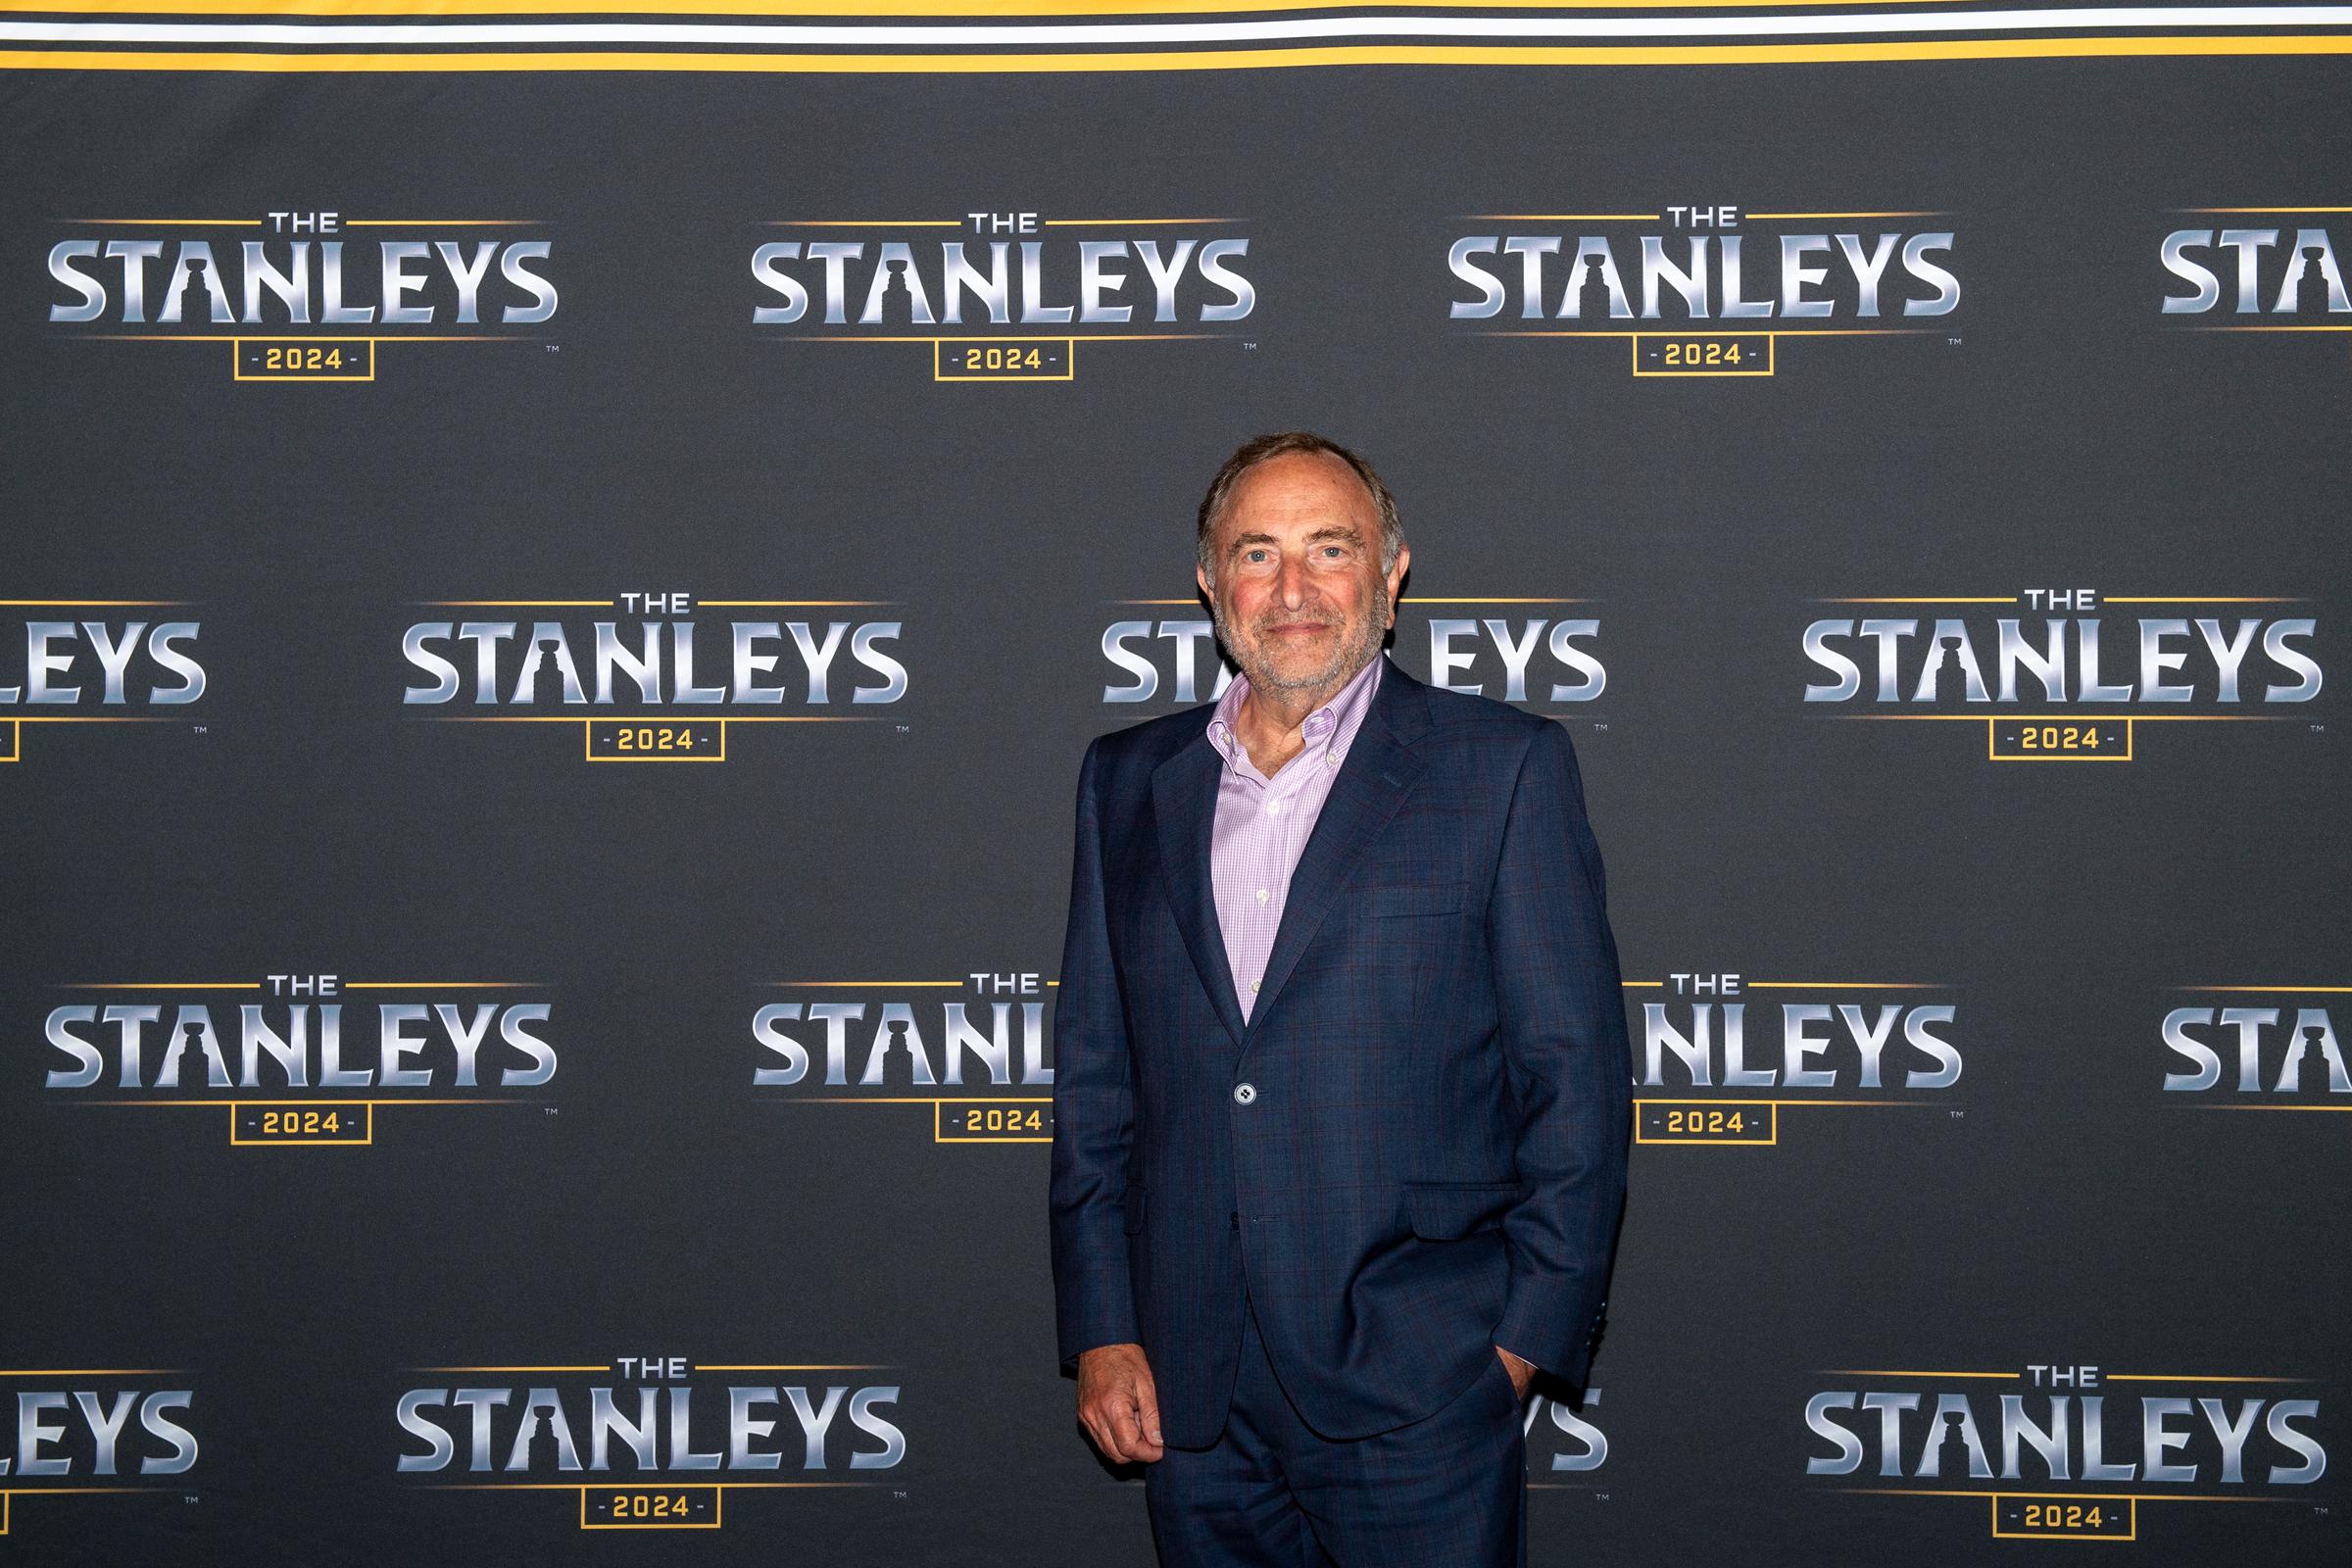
560	561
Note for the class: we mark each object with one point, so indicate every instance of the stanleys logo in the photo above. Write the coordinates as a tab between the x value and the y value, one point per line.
305	1061
2068	1451
1538	653
1566	1448
2257	1047
96	662
301	296
650	1442
644	690
1722	1057
2065	679
971	1054
82	1434
2267	270
1006	296
1706	290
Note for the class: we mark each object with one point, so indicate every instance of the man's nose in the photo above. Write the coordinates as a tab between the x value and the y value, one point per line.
1293	583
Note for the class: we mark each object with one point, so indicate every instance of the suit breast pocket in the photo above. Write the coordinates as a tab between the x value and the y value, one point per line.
1411	932
1397	900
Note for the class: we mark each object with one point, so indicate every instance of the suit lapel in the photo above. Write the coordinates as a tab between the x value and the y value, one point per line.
1183	805
1374	778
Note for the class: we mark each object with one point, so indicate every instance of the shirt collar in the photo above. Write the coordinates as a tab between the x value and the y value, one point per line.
1332	726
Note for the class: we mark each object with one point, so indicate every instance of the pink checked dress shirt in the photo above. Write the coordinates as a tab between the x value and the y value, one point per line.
1262	823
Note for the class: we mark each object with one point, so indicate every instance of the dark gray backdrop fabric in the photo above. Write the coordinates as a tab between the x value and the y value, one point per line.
2055	1207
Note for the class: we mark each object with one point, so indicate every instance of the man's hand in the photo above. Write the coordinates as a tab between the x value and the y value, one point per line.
1522	1372
1118	1404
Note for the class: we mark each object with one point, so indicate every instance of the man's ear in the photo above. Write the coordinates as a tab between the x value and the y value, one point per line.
1201	576
1405	559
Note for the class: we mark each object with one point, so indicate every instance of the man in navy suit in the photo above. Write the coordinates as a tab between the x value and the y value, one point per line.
1342	1076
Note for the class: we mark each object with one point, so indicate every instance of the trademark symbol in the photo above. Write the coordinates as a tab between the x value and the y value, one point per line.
551	1109
1597	725
558	348
191	1498
207	729
1957	1114
1249	345
1952	341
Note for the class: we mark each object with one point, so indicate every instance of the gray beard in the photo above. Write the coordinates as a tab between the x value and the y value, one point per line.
1354	651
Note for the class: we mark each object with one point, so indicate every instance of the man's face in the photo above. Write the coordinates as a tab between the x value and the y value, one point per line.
1300	597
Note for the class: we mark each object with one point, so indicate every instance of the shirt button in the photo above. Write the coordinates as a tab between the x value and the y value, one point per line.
1244	1094
1254	988
1261	895
1273	807
1333	757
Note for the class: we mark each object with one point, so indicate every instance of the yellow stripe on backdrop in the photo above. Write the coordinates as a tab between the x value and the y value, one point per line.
1182	60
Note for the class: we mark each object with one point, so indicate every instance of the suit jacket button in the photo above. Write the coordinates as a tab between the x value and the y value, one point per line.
1244	1094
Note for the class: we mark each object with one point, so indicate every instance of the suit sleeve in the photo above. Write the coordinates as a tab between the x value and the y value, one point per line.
1570	1063
1093	1110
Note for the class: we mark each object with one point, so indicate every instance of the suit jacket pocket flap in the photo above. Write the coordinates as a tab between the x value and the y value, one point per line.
1414	898
1135	1209
1446	1213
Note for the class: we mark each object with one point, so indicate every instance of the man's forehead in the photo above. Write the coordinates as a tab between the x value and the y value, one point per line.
1313	488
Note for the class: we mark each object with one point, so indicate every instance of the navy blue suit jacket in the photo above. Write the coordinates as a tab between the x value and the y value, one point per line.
1429	1159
